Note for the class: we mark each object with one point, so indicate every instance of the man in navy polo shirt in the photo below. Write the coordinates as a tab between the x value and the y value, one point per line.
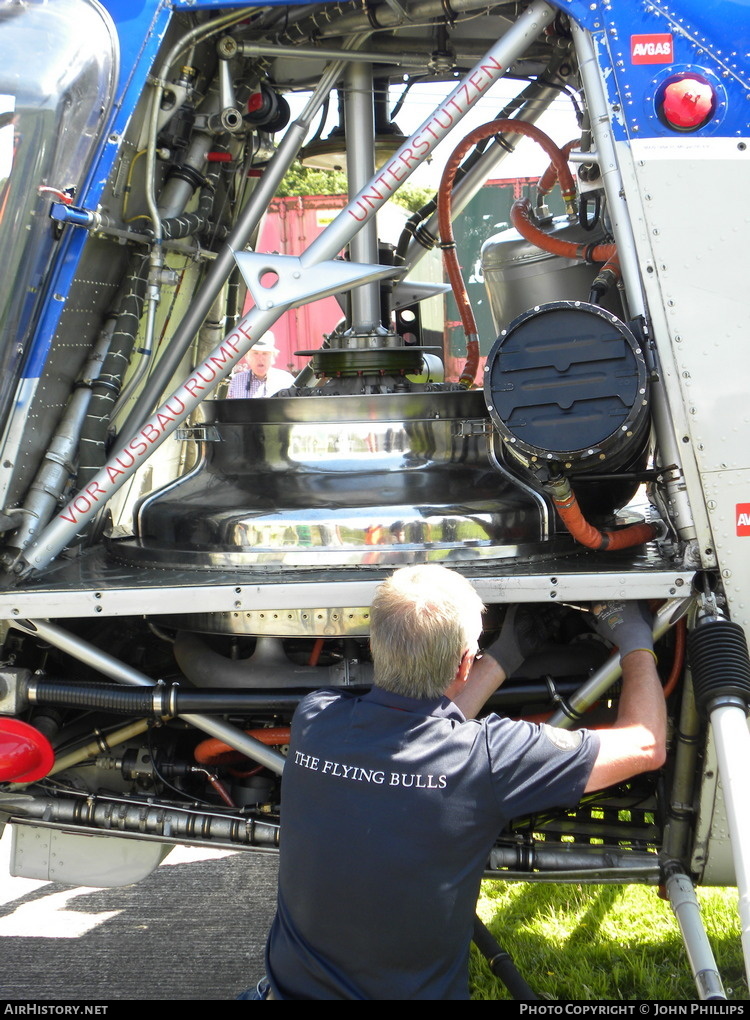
392	800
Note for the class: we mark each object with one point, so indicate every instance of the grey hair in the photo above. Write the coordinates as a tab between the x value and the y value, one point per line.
422	621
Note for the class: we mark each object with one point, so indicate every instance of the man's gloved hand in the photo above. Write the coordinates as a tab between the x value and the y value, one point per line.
627	625
521	635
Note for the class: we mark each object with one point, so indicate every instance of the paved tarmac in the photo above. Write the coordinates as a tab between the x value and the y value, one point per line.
193	930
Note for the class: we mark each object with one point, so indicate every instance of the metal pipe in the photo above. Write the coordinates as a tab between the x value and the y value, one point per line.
384	15
566	863
252	49
629	265
729	725
57	464
94	748
115	816
686	774
224	263
116	670
474	178
199	33
359	121
607	674
139	447
684	903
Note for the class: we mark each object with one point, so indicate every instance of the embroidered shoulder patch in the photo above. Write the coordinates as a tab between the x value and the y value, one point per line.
564	740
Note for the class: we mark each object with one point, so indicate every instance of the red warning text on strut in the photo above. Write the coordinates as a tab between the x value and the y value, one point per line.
651	49
743	518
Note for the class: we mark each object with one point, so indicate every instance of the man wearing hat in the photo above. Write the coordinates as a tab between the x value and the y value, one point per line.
257	376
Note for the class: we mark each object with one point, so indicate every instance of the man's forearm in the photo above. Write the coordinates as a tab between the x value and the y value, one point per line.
637	740
642	699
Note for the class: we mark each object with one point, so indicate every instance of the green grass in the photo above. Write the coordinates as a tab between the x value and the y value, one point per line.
603	942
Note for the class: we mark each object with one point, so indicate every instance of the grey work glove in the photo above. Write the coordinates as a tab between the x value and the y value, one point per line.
520	636
627	625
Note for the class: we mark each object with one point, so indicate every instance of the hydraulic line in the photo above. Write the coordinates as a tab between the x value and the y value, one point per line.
520	216
184	224
527	106
566	504
200	32
678	663
58	464
175	227
106	387
224	264
447	239
548	179
608	275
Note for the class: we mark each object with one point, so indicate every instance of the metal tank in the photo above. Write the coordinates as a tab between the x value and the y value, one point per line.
518	275
348	481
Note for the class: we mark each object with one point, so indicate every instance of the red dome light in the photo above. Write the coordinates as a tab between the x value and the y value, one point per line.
687	103
25	754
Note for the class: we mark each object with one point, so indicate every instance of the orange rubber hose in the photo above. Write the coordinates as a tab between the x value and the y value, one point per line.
214	751
447	239
520	217
567	507
547	181
680	639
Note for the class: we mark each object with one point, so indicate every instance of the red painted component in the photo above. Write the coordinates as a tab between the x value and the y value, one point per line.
254	102
219	157
687	103
25	754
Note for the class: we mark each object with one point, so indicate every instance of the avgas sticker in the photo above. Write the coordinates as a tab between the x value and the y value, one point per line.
651	49
742	517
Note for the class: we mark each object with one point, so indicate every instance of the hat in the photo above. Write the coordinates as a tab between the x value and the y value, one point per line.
266	343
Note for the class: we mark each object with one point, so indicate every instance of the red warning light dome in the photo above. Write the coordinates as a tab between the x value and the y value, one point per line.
687	103
25	753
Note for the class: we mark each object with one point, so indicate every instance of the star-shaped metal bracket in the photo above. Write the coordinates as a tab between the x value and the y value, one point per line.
282	281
